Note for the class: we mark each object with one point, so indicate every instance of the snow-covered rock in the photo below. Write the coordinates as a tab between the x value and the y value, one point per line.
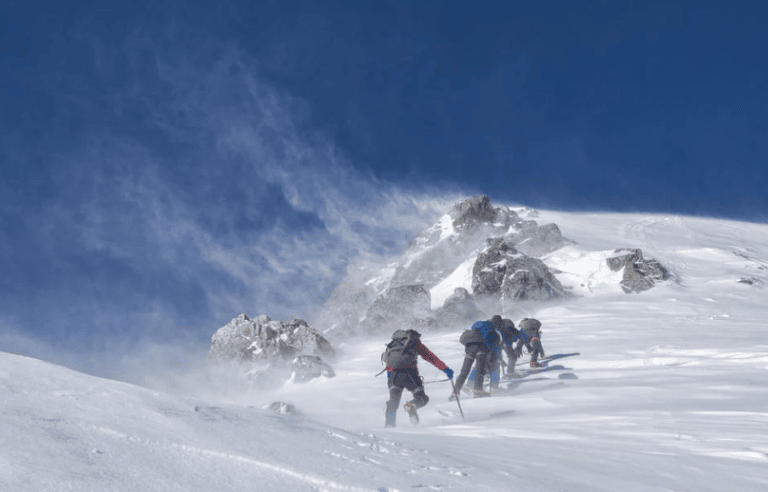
536	240
257	353
265	340
440	259
459	308
282	408
308	367
750	281
501	270
398	307
639	274
474	212
437	251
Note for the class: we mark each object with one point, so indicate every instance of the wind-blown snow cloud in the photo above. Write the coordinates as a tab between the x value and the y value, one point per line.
205	194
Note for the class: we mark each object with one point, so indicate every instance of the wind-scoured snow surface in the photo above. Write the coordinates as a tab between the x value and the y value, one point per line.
668	393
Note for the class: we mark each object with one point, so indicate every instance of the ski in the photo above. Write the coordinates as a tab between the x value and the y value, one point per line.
521	373
539	370
558	356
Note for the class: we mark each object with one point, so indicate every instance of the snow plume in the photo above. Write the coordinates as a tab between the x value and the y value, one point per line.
206	193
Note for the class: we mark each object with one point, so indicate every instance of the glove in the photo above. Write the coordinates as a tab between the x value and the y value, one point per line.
448	372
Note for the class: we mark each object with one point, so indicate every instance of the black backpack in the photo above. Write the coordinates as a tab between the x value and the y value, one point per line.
400	352
471	336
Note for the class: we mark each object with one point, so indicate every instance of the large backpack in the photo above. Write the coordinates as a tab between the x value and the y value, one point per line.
490	336
471	336
530	325
508	331
401	352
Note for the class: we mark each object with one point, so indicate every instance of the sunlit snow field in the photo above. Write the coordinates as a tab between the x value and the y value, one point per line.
669	392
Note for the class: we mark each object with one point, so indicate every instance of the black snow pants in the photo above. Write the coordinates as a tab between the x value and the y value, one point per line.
511	352
474	353
398	380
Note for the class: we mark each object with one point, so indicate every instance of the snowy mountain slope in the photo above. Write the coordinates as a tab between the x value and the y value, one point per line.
668	393
68	431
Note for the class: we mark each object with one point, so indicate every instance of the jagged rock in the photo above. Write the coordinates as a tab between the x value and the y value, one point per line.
502	269
639	274
437	251
263	339
460	307
433	256
308	367
282	408
397	307
472	212
232	341
537	241
750	281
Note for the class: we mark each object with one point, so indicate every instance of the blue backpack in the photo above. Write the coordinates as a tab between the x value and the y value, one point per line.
486	328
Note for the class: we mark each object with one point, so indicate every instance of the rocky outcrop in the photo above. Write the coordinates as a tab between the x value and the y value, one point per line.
459	308
538	241
308	367
368	299
750	281
502	270
639	274
439	250
256	354
232	341
476	211
398	307
266	340
282	408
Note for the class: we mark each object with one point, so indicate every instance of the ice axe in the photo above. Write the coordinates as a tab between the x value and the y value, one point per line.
457	400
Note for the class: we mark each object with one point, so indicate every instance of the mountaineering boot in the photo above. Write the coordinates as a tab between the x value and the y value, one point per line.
478	393
536	364
410	407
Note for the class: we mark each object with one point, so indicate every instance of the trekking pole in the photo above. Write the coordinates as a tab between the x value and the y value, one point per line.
438	381
457	400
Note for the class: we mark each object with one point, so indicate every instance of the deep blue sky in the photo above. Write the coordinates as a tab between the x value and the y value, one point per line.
167	165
